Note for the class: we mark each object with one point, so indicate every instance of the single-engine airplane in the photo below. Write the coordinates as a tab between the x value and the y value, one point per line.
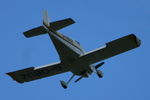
73	57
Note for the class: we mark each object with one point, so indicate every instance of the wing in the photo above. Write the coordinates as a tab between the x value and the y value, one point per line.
32	73
111	49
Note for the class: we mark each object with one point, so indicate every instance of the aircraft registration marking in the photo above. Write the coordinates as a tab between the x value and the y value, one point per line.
41	72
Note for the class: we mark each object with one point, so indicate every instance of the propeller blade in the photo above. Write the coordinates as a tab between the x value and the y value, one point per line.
99	65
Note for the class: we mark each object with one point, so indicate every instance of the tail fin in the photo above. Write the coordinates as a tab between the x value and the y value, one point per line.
46	19
56	25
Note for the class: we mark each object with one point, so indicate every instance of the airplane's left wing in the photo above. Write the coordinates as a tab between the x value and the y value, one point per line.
32	73
111	49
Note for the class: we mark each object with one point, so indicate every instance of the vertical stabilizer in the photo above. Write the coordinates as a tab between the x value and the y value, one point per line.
46	19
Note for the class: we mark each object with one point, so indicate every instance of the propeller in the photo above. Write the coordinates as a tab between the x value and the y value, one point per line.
99	65
98	72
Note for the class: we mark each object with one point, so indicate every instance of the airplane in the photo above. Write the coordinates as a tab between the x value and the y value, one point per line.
73	58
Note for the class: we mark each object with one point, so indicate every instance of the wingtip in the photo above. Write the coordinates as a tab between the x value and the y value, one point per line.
137	40
13	77
73	21
9	73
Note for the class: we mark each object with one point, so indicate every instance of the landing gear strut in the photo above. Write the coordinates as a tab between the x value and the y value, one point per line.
64	84
99	73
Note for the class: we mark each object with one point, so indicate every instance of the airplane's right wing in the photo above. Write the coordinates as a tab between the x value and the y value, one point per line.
111	49
30	74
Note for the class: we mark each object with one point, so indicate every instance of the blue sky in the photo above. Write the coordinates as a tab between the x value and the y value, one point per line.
126	76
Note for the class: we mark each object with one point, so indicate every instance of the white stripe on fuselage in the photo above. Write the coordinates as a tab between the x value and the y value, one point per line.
74	48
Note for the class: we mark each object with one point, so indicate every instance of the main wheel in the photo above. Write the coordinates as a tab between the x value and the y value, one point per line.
99	73
64	84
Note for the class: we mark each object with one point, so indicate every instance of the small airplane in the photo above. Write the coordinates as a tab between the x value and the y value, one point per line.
73	57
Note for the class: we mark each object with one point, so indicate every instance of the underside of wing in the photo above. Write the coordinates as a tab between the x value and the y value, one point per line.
32	73
111	49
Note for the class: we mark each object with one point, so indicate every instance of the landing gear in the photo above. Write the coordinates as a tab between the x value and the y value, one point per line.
64	84
99	73
78	79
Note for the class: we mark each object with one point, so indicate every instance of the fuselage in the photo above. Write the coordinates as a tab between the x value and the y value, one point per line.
74	51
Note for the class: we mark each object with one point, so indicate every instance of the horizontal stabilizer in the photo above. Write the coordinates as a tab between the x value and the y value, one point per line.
57	25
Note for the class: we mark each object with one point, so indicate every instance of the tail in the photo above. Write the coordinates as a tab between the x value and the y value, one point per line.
46	19
56	25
